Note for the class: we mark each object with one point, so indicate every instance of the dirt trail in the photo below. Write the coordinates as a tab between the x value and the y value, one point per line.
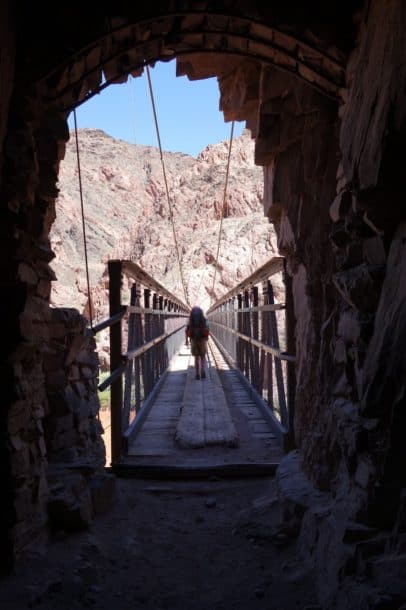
202	545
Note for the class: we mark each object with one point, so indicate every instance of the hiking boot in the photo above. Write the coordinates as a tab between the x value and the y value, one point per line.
197	376
203	374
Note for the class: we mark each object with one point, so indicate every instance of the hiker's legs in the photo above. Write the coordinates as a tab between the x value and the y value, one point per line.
203	358
199	348
203	365
197	365
196	355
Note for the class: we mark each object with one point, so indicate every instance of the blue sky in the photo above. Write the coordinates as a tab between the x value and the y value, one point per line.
188	111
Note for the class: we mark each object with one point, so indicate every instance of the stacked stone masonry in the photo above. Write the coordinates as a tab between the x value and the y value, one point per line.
72	431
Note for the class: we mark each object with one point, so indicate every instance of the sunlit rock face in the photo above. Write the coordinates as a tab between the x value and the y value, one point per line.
127	216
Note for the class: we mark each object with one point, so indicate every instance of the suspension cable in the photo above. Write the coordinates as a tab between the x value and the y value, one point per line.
83	220
224	209
167	189
133	102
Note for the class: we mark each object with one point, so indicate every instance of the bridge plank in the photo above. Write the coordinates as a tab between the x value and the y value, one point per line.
219	427
190	427
155	454
205	418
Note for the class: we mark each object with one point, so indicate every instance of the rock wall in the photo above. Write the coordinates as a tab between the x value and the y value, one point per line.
78	486
7	62
33	146
350	439
298	145
72	429
25	276
334	188
368	235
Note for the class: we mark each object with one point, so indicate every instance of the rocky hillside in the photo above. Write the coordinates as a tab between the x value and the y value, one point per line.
127	216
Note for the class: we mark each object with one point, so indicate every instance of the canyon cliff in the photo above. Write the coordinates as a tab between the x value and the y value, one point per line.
127	216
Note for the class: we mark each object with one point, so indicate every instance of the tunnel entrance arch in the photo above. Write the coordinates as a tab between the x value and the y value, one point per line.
265	69
255	56
127	46
307	172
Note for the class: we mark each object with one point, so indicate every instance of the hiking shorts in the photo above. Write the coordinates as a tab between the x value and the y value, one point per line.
199	347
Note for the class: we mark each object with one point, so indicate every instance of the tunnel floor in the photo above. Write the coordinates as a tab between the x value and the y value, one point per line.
207	545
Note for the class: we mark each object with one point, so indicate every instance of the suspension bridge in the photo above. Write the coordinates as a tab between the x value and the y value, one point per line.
164	422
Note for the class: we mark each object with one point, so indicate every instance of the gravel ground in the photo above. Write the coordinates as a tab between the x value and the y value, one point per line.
202	545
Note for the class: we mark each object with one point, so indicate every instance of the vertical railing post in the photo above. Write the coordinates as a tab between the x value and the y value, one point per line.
227	322
247	331
240	345
116	390
223	320
262	355
291	349
267	339
231	322
128	377
138	342
147	336
161	331
154	350
229	334
174	320
278	364
255	334
165	318
232	341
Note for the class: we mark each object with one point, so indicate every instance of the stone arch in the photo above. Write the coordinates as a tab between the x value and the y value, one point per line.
123	47
285	82
271	75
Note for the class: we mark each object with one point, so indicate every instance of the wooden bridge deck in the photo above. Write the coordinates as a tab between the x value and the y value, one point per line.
202	427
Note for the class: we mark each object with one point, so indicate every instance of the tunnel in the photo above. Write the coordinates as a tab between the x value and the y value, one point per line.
321	87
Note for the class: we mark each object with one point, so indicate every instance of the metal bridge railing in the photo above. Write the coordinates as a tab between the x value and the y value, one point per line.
257	336
152	328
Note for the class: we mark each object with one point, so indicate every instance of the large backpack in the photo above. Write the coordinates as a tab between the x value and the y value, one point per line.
198	327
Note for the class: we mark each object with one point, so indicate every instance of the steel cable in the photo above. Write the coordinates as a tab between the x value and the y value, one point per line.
83	221
166	188
224	209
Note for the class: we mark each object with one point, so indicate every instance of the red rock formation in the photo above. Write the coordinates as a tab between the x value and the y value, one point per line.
127	216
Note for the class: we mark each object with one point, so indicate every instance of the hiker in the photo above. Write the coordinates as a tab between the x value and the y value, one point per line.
197	330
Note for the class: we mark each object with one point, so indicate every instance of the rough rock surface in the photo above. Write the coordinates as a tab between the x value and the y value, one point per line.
127	216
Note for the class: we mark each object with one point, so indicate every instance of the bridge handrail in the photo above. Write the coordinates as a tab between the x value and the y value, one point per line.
154	331
274	265
128	309
130	355
109	321
134	271
245	326
266	348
